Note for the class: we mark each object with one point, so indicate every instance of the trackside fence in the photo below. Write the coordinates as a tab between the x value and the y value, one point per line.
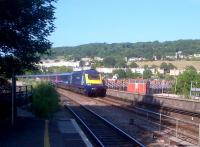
23	98
23	94
151	86
184	130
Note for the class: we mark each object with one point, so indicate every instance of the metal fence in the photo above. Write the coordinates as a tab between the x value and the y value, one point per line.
184	130
23	95
155	86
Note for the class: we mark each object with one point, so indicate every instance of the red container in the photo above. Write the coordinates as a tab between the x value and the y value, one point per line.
140	88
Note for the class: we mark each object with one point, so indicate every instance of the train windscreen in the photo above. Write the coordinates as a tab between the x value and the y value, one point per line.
93	76
93	79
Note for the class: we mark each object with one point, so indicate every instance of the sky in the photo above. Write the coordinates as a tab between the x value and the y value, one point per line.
113	21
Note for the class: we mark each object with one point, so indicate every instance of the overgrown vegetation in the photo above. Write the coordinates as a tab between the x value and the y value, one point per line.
183	82
45	100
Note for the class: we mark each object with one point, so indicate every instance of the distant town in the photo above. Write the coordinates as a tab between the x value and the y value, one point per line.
179	62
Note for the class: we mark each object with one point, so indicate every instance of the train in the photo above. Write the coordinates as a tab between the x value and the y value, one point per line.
87	82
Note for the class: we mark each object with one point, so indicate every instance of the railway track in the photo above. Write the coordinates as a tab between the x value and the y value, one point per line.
103	131
182	129
152	122
184	113
173	112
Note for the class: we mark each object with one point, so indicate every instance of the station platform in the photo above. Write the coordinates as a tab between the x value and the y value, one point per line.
60	131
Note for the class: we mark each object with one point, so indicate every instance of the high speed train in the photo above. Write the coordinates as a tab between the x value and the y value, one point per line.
88	82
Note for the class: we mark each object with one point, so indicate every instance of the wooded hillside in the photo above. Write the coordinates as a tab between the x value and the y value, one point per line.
139	49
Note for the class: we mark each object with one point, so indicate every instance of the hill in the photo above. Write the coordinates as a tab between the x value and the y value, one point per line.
139	49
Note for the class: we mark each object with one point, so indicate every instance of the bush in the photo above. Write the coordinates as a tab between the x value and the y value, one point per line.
45	100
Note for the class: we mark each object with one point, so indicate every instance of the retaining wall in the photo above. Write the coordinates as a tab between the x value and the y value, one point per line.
179	103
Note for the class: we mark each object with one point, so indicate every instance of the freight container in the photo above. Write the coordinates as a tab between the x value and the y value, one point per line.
139	87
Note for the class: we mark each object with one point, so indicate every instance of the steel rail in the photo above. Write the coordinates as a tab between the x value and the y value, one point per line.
102	141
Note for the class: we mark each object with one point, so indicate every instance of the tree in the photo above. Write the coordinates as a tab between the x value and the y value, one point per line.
24	28
167	67
130	74
120	72
96	64
147	74
171	66
139	49
164	66
126	73
121	63
109	61
184	81
133	65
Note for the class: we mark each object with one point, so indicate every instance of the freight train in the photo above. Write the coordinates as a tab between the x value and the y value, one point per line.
88	82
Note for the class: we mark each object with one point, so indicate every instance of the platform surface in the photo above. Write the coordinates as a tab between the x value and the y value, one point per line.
60	131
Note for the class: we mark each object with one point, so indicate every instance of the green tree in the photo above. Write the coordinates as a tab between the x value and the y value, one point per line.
24	28
109	61
167	67
133	65
120	72
184	80
130	74
171	66
96	64
139	49
164	66
121	63
147	74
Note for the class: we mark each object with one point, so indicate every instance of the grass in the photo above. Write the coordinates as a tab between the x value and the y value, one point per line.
181	65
